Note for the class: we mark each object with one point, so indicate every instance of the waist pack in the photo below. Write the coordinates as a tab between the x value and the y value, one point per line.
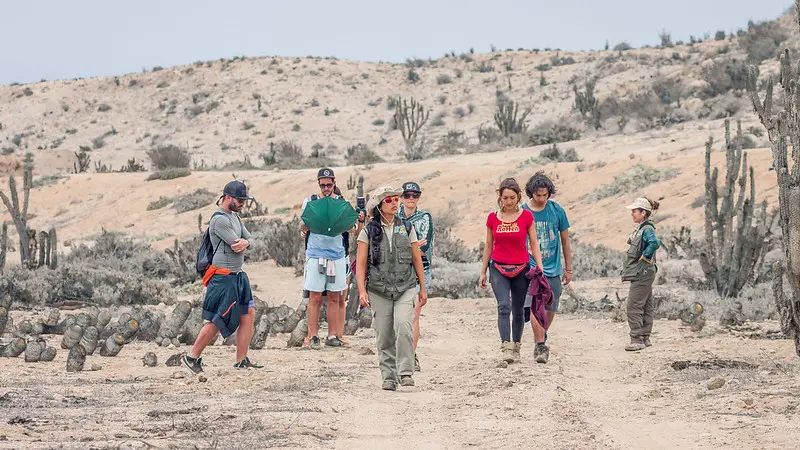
509	270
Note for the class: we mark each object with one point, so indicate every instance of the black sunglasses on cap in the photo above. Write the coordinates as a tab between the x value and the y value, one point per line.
412	194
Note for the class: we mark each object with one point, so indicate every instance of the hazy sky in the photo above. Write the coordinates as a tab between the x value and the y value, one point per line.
59	39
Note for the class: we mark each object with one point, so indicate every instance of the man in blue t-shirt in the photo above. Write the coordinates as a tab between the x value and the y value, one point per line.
325	271
552	231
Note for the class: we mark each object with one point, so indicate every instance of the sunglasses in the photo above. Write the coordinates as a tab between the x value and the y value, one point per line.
411	194
326	185
389	200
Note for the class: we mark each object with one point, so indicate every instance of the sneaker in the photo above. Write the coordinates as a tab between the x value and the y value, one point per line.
333	341
517	346
416	363
635	346
344	343
389	385
507	351
315	344
406	380
194	365
542	353
647	342
247	364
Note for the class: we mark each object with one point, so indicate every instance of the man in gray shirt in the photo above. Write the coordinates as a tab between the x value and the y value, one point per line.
228	303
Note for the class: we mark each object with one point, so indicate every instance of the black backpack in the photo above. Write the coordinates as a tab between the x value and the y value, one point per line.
206	252
345	235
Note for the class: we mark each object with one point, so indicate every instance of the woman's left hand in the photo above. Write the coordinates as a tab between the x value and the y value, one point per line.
423	297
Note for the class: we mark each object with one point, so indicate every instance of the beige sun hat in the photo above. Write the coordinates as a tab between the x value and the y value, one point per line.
381	193
640	203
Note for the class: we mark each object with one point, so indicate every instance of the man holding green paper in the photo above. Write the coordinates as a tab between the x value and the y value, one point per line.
325	217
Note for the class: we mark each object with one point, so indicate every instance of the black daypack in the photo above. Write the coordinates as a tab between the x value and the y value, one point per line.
206	252
345	235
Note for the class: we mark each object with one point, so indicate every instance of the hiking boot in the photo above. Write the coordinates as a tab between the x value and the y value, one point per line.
416	364
647	342
406	380
507	351
333	341
516	349
389	385
635	345
315	344
192	364
247	364
542	353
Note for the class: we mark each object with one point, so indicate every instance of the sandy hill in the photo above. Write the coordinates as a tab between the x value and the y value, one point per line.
227	110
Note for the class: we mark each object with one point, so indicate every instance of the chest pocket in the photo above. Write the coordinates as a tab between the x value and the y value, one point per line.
402	245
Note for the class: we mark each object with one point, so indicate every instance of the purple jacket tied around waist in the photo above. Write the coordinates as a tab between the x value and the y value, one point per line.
539	295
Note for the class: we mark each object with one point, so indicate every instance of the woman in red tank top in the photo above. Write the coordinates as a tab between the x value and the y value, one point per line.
510	240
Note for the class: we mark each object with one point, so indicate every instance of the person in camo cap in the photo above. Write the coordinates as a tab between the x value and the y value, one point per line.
422	221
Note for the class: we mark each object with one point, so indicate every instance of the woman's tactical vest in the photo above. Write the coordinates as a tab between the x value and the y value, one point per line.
394	275
634	269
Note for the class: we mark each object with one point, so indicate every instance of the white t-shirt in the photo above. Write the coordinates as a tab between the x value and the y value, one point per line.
389	231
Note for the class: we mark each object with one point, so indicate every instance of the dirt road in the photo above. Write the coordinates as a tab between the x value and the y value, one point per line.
591	395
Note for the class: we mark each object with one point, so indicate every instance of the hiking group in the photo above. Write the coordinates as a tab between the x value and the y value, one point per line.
527	258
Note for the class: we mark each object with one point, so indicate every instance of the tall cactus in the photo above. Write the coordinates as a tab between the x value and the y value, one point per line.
3	245
19	213
52	260
736	237
783	128
410	118
506	117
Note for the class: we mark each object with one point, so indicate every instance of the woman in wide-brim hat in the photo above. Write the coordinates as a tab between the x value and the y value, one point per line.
640	269
389	257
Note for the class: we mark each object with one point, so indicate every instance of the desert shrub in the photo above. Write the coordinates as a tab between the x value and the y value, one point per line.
698	202
457	280
756	131
247	125
194	111
484	67
550	132
635	178
719	35
556	61
761	40
668	90
275	239
448	246
555	154
97	285
162	85
160	203
725	75
748	142
115	251
169	174
489	135
622	46
103	107
594	261
412	76
451	142
169	157
378	122
359	154
195	200
444	79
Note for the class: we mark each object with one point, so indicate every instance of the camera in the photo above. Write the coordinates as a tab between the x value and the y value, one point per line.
361	204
